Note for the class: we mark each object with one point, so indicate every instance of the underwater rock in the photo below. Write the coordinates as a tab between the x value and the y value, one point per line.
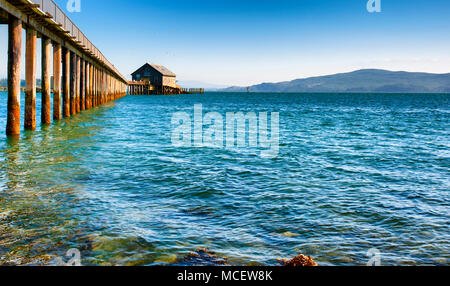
299	261
203	257
290	234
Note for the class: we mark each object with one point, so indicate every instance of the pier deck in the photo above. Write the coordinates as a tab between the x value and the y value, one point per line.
146	88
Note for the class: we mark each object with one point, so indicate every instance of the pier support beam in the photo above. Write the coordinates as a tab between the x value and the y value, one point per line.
94	76
108	81
92	85
66	82
14	54
88	85
78	86
56	81
82	84
46	112
30	80
91	88
94	91
73	82
102	87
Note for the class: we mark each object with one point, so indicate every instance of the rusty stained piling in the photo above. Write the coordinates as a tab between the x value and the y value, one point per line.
82	85
95	86
86	72
100	85
88	91
30	79
66	82
86	82
14	54
46	116
108	85
73	82
94	76
91	86
56	81
103	87
77	88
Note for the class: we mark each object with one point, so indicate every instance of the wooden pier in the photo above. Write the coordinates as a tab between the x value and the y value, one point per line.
146	88
192	90
83	77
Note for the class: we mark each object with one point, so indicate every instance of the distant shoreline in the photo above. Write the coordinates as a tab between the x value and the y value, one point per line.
360	81
331	92
299	92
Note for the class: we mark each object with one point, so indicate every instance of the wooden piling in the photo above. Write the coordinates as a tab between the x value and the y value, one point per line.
78	78
108	80
46	113
102	86
82	84
73	82
94	76
86	71
66	82
94	86
88	89
56	81
30	79
14	54
91	86
97	83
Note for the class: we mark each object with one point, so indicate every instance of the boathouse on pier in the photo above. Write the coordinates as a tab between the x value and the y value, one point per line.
156	79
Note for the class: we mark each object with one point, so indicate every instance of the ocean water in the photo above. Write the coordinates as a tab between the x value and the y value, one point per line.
354	172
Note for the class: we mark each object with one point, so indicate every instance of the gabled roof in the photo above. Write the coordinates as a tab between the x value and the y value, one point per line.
159	68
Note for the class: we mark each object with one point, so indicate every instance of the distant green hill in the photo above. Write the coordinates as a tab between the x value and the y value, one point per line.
369	80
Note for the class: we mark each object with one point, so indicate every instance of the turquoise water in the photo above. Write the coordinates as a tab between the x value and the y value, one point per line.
354	172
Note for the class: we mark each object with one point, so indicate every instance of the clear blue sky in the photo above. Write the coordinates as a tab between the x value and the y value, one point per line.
243	42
